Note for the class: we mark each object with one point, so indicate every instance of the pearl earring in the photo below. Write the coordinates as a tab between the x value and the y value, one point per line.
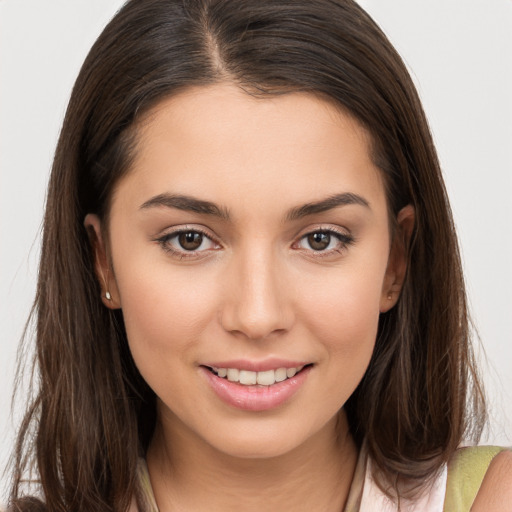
108	296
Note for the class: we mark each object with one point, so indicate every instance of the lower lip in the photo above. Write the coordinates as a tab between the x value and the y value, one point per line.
255	398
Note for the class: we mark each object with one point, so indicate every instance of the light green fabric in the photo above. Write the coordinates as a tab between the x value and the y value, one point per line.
145	498
465	474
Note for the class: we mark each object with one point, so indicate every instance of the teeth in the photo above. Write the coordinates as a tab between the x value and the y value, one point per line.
266	378
280	374
248	378
290	372
233	374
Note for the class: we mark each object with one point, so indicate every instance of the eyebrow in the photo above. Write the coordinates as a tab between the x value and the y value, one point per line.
186	203
192	204
346	198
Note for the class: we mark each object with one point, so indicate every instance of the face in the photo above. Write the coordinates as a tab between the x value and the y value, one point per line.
251	257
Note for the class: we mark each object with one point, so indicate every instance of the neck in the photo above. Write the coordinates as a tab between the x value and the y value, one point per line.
188	474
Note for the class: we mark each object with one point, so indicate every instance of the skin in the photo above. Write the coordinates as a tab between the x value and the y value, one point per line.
255	289
495	493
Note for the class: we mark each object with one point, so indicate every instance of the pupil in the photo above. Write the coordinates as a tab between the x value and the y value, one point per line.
190	241
319	241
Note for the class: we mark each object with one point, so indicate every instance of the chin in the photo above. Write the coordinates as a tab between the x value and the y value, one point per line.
263	447
269	439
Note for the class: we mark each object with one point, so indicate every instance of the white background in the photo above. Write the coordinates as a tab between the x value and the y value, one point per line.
460	55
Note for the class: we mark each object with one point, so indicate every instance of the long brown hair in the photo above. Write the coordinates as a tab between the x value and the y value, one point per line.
92	411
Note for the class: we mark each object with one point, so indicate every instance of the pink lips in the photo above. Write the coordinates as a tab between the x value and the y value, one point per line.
256	366
255	398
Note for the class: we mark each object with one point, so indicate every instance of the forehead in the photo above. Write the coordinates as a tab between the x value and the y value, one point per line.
220	141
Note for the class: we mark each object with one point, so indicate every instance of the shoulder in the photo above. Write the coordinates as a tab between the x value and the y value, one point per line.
495	494
480	479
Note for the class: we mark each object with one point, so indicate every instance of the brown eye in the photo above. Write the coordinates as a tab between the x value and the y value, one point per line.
190	240
325	241
319	241
187	243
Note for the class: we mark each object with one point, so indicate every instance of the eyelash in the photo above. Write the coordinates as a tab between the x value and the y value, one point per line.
344	240
164	242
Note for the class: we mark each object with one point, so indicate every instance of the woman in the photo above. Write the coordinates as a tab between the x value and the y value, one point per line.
250	292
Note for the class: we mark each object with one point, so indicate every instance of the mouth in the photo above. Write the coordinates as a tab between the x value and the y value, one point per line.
252	390
261	378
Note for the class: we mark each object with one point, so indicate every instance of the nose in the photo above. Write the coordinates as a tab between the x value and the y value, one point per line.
256	301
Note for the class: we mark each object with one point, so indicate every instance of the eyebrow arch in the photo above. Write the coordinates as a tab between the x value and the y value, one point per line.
186	203
192	204
324	205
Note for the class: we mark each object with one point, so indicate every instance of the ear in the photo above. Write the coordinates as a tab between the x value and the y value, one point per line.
102	264
397	262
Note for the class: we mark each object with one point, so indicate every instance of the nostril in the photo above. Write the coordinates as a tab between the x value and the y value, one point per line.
255	302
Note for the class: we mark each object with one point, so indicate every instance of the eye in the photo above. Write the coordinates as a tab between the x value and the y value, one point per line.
187	242
319	241
190	240
324	241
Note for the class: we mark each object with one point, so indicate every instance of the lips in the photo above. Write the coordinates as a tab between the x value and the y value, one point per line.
253	390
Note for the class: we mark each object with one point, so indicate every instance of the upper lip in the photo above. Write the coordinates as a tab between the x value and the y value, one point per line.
257	366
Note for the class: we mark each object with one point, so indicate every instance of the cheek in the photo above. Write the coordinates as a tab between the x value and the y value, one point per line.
163	309
342	310
347	323
347	328
349	295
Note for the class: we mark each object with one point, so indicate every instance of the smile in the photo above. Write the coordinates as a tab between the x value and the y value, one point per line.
250	378
251	390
